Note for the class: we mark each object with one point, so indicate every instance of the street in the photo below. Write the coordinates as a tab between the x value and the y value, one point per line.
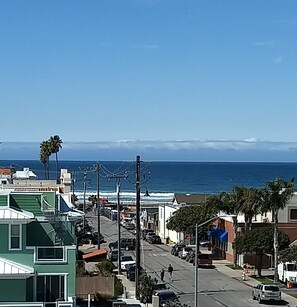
215	288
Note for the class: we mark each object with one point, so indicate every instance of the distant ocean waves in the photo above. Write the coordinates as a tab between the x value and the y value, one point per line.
129	197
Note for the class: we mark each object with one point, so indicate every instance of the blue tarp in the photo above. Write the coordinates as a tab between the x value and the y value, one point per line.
218	233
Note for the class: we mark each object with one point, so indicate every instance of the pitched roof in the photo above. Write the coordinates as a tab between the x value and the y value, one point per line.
95	253
8	267
24	174
189	199
13	214
6	171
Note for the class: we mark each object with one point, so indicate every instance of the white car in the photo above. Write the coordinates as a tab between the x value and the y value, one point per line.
264	292
184	252
126	260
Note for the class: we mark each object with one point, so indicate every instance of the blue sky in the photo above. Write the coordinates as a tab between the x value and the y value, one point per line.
161	71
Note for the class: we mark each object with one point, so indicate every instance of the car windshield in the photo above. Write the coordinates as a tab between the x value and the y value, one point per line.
127	258
167	296
160	287
204	256
291	267
272	288
187	249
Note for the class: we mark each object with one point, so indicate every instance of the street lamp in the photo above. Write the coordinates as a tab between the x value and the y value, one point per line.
197	248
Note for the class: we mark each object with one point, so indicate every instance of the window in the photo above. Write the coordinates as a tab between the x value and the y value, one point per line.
293	214
50	288
50	254
15	237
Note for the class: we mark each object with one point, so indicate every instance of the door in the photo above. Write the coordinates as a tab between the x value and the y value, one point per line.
49	289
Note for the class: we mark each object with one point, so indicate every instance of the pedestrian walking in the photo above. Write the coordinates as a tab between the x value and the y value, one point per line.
162	274
170	270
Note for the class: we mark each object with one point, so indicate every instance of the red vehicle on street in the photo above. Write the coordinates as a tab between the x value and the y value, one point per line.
204	260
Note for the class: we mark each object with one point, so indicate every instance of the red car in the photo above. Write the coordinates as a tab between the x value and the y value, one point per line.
204	260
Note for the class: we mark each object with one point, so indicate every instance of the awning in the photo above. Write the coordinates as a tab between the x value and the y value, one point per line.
224	236
11	268
219	234
10	214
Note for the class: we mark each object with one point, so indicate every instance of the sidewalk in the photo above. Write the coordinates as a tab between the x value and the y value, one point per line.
237	274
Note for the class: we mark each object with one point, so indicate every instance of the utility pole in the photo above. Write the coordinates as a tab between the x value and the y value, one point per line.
118	180
137	266
119	227
98	203
72	183
84	203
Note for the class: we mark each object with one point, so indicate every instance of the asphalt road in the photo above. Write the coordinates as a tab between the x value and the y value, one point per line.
215	289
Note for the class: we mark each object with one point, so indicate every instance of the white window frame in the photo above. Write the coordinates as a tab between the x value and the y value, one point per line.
20	237
62	260
289	214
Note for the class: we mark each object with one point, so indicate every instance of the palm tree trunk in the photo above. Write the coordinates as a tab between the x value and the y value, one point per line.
57	166
235	236
47	168
44	165
275	244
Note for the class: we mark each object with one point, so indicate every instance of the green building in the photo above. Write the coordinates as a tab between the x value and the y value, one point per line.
37	249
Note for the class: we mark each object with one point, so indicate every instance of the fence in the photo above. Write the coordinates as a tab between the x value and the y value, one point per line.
93	285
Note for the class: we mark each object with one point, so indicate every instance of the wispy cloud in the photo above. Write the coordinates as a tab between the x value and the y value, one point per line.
190	144
264	43
249	149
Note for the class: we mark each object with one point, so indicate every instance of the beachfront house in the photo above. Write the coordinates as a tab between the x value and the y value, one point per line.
37	249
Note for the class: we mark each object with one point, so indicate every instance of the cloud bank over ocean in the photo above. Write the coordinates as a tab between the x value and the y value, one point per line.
250	150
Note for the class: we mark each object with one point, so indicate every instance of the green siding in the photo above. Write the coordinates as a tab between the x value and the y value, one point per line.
13	290
29	289
3	238
50	197
40	234
69	268
3	200
28	202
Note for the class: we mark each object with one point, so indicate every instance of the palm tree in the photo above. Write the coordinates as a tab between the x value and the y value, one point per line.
277	195
250	201
56	145
227	203
45	152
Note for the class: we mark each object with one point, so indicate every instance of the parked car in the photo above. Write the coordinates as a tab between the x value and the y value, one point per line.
204	260
176	248
154	239
144	232
149	234
130	226
166	296
112	255
191	256
205	243
160	286
126	243
126	260
265	292
184	252
131	271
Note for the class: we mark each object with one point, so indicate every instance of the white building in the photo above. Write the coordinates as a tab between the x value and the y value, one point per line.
165	211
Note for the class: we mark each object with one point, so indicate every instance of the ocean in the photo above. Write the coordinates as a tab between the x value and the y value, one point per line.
161	179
